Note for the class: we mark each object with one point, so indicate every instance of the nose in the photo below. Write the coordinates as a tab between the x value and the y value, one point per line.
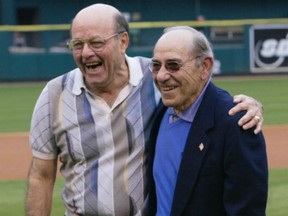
162	74
86	50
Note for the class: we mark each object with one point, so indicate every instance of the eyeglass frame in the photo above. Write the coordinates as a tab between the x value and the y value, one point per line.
103	42
166	65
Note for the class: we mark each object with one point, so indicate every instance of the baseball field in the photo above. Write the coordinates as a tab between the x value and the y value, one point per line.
18	100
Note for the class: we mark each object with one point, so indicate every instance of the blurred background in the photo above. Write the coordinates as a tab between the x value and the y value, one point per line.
248	37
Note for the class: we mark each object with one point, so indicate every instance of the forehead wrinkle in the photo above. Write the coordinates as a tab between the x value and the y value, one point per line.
176	41
164	52
174	45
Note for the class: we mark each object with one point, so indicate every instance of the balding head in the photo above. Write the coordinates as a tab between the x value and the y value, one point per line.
180	40
100	16
97	12
99	7
197	41
186	38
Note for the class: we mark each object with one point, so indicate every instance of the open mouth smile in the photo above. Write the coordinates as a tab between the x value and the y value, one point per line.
93	65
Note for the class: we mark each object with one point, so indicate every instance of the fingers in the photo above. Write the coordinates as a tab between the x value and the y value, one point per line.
238	99
257	118
258	127
257	121
254	114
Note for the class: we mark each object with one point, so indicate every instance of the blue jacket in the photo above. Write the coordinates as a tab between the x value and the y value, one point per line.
224	168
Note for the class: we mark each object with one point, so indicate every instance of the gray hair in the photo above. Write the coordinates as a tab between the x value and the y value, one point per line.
121	23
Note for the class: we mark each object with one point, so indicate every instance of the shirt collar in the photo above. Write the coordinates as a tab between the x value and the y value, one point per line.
135	75
190	112
135	70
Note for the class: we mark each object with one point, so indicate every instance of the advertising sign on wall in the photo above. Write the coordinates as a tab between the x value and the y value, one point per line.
269	48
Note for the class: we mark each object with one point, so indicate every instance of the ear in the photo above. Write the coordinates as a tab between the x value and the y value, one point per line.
124	42
207	65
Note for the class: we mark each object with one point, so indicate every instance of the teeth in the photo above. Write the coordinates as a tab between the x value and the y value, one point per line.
90	64
167	88
93	65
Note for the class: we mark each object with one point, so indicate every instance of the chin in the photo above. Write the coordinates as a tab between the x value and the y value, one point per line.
168	103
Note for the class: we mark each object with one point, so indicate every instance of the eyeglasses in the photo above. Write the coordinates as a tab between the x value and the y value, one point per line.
172	65
96	44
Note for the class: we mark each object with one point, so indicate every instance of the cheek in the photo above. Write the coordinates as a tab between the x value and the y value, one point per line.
189	82
189	87
77	59
110	56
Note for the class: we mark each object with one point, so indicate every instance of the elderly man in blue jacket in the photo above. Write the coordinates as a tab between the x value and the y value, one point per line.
204	164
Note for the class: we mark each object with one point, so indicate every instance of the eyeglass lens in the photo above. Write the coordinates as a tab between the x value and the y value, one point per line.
170	66
95	44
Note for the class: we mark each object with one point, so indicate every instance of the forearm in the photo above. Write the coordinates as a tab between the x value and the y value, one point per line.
39	197
40	186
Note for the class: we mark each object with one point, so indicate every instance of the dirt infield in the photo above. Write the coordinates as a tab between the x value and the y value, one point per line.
15	154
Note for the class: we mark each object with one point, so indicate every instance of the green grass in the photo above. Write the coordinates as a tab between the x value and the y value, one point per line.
13	194
278	192
17	103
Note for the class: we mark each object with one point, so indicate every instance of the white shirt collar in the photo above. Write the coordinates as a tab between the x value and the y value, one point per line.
135	70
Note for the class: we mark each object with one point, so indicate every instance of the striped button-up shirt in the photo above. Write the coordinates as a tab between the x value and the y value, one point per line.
101	148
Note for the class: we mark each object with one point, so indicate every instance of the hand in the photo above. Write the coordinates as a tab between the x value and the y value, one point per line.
254	115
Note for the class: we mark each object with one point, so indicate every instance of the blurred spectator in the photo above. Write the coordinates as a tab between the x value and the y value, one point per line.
19	40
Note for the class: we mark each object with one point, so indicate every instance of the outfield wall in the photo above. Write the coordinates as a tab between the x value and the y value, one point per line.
233	43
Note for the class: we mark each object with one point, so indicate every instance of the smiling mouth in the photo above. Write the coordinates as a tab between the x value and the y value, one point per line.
93	65
167	88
